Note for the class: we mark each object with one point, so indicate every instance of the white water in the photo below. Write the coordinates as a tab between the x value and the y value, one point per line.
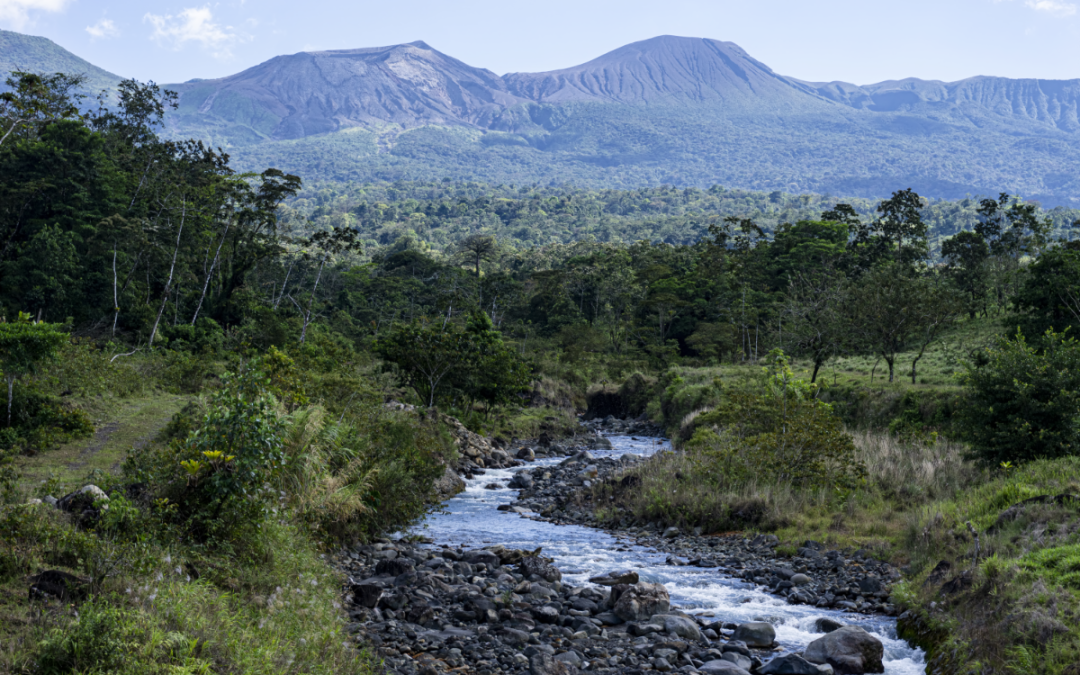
471	520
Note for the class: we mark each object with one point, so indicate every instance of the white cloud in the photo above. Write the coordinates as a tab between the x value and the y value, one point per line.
1057	7
16	13
194	24
104	28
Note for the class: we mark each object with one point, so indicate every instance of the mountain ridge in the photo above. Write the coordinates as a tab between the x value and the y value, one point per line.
668	110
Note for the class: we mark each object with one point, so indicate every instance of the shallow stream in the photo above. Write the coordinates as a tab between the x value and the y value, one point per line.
471	520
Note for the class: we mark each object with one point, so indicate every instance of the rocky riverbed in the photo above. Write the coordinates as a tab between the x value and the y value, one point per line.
477	595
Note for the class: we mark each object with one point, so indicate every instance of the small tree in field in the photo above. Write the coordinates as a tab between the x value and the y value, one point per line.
1023	400
23	345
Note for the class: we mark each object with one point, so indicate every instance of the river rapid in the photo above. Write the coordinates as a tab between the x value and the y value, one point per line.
471	520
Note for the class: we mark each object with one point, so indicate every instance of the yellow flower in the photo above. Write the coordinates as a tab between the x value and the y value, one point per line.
191	466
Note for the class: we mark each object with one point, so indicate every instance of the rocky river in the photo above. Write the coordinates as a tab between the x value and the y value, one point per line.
510	577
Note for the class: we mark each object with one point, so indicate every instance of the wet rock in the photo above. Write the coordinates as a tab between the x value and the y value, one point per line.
789	664
521	480
721	667
681	626
449	484
737	646
541	567
826	625
849	650
614	578
641	601
481	556
741	661
800	579
756	634
671	533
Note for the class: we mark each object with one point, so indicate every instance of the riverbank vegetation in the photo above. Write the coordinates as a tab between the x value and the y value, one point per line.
225	358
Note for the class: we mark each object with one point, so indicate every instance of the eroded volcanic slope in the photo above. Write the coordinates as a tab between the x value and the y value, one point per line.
676	110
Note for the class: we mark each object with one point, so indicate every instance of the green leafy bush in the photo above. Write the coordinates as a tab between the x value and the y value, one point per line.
783	435
1023	400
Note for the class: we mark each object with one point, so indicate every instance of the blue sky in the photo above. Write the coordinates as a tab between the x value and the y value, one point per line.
859	41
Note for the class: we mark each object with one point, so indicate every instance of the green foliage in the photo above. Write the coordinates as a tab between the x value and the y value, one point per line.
1023	399
103	639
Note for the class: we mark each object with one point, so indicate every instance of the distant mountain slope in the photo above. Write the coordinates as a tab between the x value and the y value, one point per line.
674	110
317	92
42	55
665	69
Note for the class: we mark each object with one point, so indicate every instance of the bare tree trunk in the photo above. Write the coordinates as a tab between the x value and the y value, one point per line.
311	302
115	296
10	390
284	284
206	284
168	283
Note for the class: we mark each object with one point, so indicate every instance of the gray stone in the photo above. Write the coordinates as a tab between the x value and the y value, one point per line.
613	578
448	485
756	634
670	533
738	659
541	567
826	625
545	664
789	664
683	627
737	646
721	667
570	658
546	615
849	650
800	579
641	601
481	556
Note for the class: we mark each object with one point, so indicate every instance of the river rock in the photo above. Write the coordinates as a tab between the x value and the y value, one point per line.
681	626
738	659
641	601
366	595
721	667
393	567
826	625
671	533
849	650
790	664
481	556
756	634
615	578
541	567
545	664
800	579
448	485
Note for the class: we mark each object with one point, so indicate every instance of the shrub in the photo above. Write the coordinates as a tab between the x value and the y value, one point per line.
783	435
102	640
1023	400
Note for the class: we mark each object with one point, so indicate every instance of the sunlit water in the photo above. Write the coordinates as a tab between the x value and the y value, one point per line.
471	520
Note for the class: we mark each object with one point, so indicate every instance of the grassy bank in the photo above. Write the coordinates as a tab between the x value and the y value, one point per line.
176	572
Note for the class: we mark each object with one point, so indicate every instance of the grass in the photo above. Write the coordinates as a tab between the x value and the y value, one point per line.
120	424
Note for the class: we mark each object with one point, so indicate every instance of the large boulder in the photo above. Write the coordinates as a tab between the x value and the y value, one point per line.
755	634
849	650
641	601
448	485
541	567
